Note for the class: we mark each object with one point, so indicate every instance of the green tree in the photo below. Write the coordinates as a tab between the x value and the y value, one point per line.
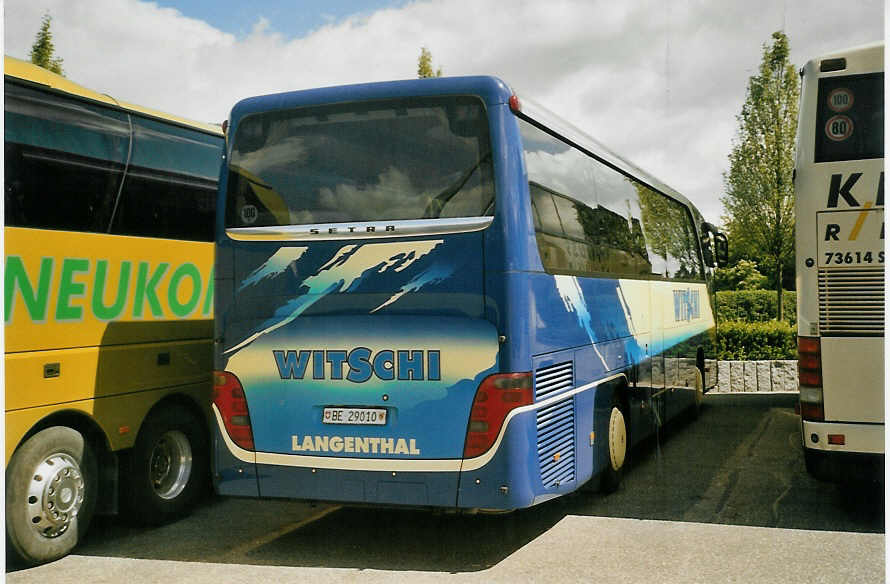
759	197
425	65
742	276
42	50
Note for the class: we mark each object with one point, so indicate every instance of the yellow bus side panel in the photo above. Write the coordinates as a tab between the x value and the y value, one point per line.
67	290
105	325
120	417
55	377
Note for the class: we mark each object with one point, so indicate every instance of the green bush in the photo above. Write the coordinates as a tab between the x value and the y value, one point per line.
754	306
742	276
754	341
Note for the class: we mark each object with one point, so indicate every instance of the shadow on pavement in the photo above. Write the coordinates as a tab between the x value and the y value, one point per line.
739	464
365	538
408	540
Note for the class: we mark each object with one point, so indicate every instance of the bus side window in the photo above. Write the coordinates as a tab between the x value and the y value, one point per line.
620	235
64	160
671	236
546	210
548	230
536	216
170	187
569	216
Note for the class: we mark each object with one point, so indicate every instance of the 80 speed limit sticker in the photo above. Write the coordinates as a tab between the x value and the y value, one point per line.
839	128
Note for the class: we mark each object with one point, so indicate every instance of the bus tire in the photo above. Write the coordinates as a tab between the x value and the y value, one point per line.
167	469
819	467
616	445
51	491
811	463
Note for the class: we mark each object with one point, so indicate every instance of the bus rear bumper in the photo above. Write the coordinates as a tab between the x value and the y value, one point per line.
412	489
860	438
860	458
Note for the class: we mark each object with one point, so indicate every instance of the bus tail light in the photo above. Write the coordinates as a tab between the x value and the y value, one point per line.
229	398
809	365
496	397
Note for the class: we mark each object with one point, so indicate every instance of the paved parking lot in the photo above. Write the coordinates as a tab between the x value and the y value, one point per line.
725	498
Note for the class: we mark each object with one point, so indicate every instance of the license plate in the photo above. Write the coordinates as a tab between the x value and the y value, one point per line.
361	416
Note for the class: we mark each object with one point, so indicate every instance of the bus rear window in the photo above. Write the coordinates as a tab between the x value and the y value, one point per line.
418	158
850	118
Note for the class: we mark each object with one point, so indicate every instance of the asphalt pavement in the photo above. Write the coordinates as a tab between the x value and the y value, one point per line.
721	499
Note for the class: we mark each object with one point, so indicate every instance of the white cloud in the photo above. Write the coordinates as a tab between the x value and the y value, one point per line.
658	81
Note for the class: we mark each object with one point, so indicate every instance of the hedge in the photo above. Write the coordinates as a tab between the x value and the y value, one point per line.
754	341
754	306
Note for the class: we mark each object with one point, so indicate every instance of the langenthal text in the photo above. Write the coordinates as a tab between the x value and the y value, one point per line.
355	444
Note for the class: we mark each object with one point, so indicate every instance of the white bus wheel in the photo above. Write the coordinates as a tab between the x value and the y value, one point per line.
617	445
51	488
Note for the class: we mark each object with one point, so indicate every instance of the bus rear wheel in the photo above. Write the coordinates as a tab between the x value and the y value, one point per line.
611	475
167	468
51	488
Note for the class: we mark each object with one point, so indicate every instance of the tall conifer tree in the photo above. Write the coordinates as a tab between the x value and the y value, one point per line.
425	65
42	50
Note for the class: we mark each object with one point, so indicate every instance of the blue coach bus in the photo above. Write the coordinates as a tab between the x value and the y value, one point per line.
431	294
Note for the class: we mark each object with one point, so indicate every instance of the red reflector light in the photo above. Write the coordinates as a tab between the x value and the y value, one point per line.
811	378
229	398
808	344
812	412
500	393
809	362
837	439
515	105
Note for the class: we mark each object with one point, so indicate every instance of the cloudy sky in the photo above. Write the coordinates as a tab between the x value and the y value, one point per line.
659	81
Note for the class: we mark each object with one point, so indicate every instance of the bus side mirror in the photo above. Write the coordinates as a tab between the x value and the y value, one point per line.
714	246
721	247
707	250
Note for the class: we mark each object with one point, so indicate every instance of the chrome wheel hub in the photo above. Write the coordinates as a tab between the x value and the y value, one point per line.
55	495
170	465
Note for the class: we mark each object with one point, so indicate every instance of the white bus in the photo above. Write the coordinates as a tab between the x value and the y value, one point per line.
839	189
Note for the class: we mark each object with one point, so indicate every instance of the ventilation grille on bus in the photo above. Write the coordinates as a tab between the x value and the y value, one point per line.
553	379
556	442
851	301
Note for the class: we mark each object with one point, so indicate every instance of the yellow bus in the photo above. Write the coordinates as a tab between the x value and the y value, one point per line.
108	308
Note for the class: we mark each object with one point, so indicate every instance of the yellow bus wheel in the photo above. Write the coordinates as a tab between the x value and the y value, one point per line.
168	467
50	494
